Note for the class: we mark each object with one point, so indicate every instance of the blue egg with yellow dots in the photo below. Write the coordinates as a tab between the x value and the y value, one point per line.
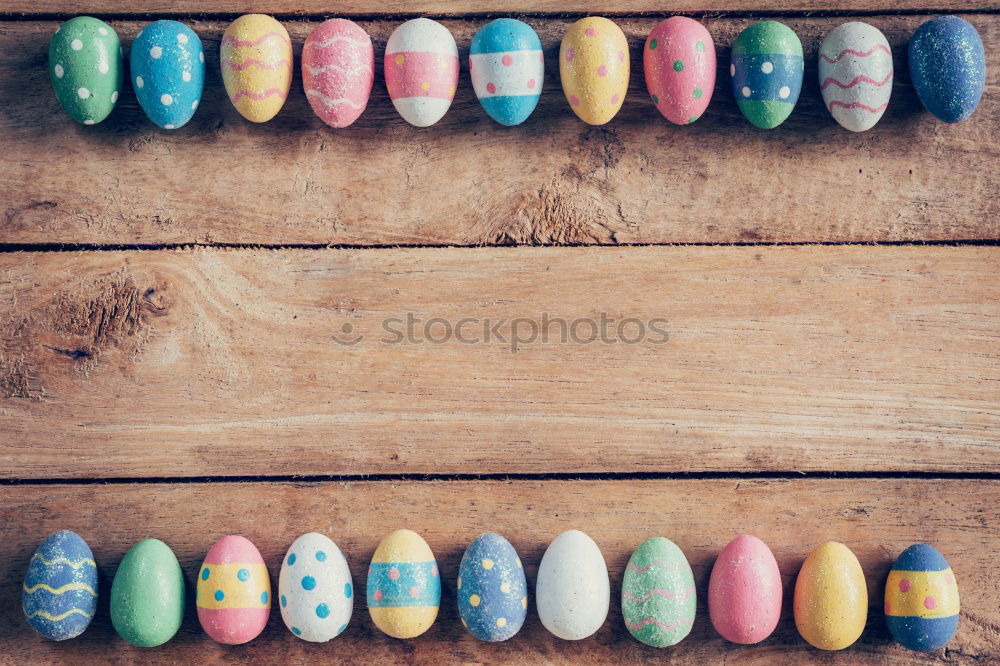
921	599
168	72
59	594
492	591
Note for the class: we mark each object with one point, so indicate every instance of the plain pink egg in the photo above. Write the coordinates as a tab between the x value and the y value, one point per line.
744	591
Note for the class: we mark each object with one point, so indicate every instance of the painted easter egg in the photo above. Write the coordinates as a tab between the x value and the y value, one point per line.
168	72
921	599
315	589
658	596
421	70
85	62
233	592
679	63
507	67
147	594
948	67
338	67
59	594
256	61
744	591
594	69
572	590
766	69
491	588
831	597
404	585
855	75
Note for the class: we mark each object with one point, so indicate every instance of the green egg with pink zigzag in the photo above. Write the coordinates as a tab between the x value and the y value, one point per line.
658	595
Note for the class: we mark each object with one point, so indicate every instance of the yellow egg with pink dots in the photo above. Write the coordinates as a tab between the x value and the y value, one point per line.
594	68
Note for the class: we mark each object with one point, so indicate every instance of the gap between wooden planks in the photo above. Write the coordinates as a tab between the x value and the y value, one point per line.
235	363
468	181
876	518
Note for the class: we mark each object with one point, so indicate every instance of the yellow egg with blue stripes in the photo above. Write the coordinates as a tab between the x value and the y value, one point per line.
59	594
404	585
921	599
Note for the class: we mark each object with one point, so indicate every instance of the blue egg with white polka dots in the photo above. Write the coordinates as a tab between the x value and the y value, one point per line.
492	591
315	589
168	72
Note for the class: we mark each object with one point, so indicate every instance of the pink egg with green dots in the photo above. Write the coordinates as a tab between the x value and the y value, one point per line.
679	64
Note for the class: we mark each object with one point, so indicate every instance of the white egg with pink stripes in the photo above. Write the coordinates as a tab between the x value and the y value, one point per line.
338	67
421	71
855	75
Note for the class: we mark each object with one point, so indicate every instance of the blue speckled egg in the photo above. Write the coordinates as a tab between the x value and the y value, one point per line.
168	72
921	599
948	67
492	591
59	595
507	68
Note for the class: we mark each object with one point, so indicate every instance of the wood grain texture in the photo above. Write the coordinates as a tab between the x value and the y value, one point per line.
468	181
226	362
877	519
409	8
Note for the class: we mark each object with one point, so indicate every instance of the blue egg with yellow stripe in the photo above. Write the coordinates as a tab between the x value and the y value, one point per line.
59	594
921	599
492	591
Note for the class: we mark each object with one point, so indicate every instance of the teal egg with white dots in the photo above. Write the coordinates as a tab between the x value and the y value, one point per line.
168	72
315	589
85	63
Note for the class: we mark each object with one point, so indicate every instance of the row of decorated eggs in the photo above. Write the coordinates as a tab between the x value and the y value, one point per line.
506	64
572	591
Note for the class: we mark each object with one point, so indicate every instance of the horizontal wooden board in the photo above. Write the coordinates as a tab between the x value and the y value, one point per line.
226	362
875	518
365	8
468	181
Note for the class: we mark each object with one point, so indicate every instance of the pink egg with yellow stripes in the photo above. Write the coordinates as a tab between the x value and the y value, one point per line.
421	71
233	594
338	67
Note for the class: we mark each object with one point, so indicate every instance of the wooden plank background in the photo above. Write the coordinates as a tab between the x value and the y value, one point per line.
803	358
170	364
469	181
876	518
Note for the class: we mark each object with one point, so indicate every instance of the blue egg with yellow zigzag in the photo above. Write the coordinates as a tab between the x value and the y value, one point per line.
921	599
59	594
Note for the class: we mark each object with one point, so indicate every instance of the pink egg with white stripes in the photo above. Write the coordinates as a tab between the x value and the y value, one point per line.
855	75
421	71
338	67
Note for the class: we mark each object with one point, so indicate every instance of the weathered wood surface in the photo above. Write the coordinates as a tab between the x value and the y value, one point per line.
876	518
469	181
365	8
226	362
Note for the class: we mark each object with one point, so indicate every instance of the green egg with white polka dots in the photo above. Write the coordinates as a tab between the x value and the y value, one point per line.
85	63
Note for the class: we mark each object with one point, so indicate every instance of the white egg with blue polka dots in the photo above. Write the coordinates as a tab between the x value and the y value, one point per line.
315	589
